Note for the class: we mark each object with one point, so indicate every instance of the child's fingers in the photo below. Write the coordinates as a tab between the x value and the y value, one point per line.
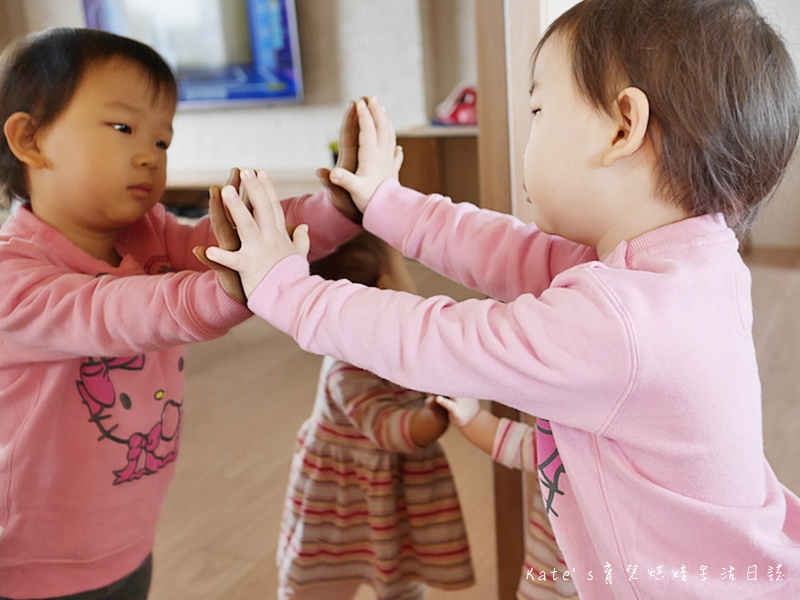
344	178
216	192
447	403
452	408
384	129
226	258
301	240
200	254
398	158
462	410
340	197
233	178
244	197
359	188
267	210
221	225
348	139
227	277
367	135
242	189
243	220
268	186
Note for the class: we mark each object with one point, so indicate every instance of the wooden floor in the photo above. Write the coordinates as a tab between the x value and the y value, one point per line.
250	391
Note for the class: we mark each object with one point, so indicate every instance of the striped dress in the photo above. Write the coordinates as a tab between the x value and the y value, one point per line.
515	447
364	503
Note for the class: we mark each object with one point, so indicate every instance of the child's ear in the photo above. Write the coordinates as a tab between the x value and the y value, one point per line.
633	114
20	132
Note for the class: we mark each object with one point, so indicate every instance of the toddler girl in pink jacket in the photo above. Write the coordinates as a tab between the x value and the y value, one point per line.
101	290
621	319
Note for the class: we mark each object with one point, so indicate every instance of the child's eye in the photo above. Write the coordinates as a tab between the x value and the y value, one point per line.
121	127
162	144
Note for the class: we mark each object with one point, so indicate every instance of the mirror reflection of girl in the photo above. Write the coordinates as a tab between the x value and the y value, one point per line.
101	290
370	497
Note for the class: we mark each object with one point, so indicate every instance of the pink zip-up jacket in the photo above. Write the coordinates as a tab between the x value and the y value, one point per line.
92	368
641	369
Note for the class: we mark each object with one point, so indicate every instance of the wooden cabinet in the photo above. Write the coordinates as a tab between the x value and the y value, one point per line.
441	159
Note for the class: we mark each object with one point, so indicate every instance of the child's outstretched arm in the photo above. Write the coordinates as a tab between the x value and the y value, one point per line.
378	410
452	239
379	156
510	443
477	424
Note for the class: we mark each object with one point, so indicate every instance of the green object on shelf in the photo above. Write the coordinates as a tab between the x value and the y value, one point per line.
334	147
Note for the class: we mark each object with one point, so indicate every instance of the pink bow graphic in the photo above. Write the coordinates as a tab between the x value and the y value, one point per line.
138	444
96	387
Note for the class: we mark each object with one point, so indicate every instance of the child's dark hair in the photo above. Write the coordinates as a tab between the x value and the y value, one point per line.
361	260
721	85
39	74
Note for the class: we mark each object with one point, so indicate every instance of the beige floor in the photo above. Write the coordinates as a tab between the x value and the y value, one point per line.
249	392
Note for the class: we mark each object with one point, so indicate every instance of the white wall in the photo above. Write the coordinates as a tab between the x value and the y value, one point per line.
779	223
448	28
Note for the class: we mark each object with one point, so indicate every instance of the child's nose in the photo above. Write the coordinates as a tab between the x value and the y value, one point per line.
146	155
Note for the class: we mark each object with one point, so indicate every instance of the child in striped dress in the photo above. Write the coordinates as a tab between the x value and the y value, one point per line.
545	575
370	498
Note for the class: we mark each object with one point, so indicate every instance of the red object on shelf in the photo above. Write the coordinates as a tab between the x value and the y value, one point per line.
459	108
